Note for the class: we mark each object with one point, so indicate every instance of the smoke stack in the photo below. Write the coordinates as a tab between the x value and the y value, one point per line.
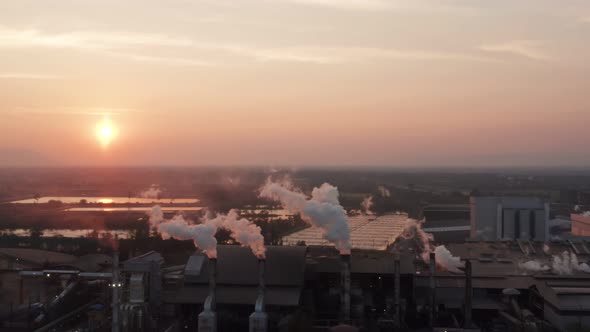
261	281
212	280
468	294
259	318
432	289
115	286
208	318
345	287
396	267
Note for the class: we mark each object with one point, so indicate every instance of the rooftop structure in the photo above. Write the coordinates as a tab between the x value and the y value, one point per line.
580	224
366	232
510	218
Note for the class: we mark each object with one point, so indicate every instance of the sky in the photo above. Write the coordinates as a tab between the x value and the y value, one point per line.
295	82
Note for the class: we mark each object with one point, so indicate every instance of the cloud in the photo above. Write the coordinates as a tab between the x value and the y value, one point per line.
346	4
335	55
99	111
524	48
115	44
130	46
29	76
85	39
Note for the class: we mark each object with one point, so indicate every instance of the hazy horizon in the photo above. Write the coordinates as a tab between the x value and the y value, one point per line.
425	83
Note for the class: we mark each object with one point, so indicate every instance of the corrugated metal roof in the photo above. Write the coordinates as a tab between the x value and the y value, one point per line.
285	266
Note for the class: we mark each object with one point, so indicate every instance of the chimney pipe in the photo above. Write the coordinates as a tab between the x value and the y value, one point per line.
208	318
259	318
115	286
468	294
432	289
345	288
212	281
396	267
261	285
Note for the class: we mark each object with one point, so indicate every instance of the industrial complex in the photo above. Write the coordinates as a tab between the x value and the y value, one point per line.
507	274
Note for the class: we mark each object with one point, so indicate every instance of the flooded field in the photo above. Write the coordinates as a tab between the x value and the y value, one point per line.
107	200
134	209
73	233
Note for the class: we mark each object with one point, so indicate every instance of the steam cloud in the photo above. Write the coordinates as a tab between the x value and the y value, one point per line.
384	191
565	264
241	230
534	266
367	204
444	258
568	263
322	210
153	192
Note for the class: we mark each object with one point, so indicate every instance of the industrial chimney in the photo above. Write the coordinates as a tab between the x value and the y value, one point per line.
432	314
259	318
345	287
208	318
396	268
468	294
115	286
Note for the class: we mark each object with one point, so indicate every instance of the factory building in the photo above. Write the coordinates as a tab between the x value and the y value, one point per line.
509	218
447	222
580	224
304	289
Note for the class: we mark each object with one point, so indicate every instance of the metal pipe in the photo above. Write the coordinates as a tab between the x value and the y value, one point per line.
115	286
261	285
345	288
212	281
396	267
468	294
432	316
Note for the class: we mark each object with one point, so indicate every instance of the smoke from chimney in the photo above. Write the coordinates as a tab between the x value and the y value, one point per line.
322	210
154	191
444	258
367	204
241	230
567	263
245	232
534	266
384	191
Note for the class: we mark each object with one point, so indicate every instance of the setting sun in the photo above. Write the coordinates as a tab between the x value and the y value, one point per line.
106	133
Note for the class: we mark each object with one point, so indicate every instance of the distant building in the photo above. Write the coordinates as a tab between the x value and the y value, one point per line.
580	225
447	222
509	218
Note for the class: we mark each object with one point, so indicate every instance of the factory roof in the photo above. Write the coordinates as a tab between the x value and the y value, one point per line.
237	265
366	232
237	277
327	260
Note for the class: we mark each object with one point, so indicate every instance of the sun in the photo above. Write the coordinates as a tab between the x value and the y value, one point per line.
106	133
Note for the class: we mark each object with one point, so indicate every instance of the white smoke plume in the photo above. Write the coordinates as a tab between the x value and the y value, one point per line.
153	191
384	191
322	210
245	232
444	258
241	230
534	266
567	263
367	204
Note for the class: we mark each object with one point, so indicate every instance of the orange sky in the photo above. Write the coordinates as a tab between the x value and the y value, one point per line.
295	82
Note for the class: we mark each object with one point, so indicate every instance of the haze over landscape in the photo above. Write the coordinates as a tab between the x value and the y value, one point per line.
294	82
